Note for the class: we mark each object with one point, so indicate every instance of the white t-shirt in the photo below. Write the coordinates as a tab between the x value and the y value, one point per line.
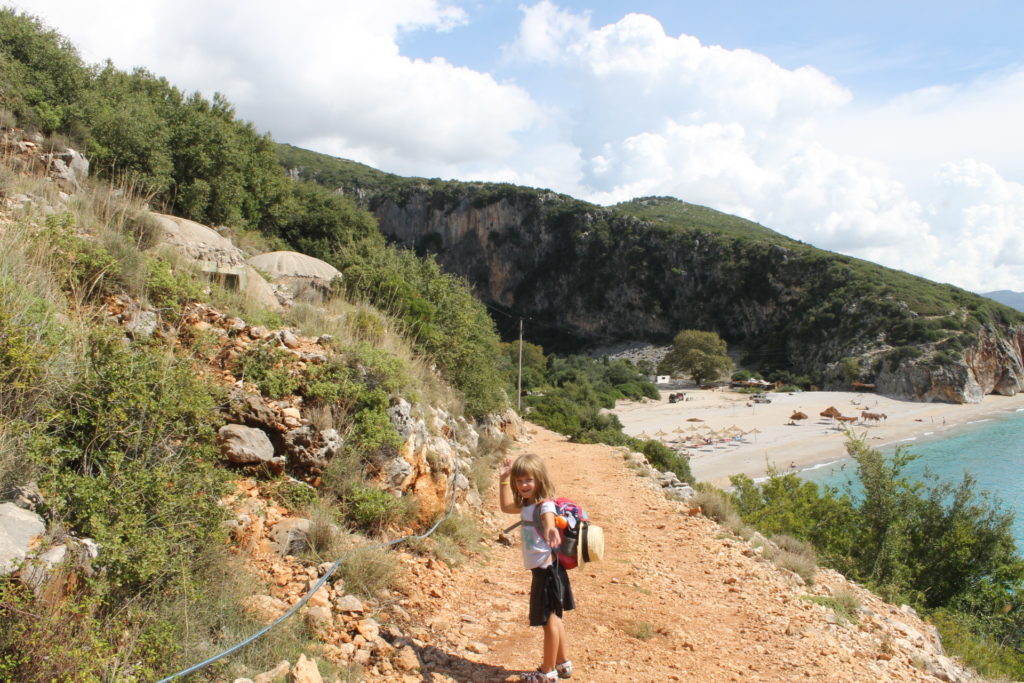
536	551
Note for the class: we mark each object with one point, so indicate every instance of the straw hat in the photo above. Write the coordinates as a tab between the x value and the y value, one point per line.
591	545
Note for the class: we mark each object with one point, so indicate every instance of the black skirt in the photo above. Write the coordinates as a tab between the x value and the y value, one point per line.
550	593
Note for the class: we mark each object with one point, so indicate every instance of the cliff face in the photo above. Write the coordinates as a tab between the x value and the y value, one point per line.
588	275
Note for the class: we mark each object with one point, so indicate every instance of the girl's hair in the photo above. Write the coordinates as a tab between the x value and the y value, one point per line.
530	465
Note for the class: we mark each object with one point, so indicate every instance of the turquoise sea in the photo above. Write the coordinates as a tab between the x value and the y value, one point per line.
991	449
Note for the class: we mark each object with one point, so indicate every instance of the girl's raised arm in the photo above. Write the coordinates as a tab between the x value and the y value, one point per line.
505	500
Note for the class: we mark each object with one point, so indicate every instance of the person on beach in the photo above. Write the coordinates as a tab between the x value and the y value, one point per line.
525	484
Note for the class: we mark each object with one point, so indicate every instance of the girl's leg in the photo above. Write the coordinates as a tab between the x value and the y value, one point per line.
561	653
554	633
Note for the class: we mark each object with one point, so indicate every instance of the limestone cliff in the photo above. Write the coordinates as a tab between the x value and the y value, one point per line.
588	275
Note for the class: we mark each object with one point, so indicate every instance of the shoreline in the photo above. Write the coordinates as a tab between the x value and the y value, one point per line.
790	445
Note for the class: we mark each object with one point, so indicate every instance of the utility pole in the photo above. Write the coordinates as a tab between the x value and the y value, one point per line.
519	392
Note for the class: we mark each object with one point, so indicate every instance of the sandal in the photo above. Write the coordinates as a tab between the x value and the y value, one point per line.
539	677
564	669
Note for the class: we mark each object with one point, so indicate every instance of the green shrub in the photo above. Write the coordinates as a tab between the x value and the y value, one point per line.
371	509
293	495
976	642
641	630
447	324
841	608
267	366
170	288
667	460
50	642
129	460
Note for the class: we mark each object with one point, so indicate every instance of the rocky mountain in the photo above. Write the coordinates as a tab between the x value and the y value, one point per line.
585	275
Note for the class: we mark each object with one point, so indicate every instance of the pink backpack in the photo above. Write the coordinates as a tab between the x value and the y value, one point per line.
581	540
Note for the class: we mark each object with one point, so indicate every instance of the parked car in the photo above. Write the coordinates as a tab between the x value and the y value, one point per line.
760	398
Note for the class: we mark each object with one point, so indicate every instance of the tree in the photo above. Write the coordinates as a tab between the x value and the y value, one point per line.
702	355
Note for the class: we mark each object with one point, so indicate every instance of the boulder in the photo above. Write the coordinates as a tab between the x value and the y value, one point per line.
249	408
288	537
306	671
265	607
349	603
18	529
405	659
141	324
278	673
26	497
245	445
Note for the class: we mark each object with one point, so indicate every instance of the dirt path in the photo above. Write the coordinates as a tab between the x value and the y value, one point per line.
673	600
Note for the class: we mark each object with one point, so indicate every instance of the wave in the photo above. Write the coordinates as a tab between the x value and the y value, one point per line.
822	464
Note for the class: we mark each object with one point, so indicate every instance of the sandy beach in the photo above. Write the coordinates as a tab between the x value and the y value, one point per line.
753	436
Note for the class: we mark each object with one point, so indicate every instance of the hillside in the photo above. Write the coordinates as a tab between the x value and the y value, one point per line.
675	599
198	433
259	454
642	270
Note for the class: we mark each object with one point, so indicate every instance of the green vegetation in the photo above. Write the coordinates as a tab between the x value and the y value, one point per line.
569	397
943	548
699	354
798	314
844	604
641	630
669	211
438	312
194	158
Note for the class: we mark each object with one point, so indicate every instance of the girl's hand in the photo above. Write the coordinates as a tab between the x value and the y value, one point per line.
552	536
505	468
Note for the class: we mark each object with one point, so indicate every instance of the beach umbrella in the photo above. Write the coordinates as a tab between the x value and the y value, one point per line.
643	435
660	433
755	431
694	419
798	416
679	430
831	412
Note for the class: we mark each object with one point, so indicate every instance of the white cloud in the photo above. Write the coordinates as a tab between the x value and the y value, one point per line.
658	114
313	73
978	215
927	182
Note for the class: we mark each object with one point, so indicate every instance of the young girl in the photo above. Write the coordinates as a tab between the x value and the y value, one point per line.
524	485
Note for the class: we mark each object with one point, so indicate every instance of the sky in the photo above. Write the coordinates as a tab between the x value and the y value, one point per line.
886	130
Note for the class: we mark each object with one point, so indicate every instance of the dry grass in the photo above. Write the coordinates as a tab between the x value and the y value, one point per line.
352	324
716	505
793	554
324	535
368	569
641	630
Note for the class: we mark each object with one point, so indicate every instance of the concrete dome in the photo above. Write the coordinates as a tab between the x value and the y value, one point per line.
287	264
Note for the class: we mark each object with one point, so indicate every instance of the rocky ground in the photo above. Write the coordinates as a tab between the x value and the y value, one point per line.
674	599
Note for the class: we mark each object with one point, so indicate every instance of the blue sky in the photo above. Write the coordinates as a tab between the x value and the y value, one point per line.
876	48
886	130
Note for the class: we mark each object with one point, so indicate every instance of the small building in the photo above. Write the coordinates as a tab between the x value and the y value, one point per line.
295	276
213	254
660	379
